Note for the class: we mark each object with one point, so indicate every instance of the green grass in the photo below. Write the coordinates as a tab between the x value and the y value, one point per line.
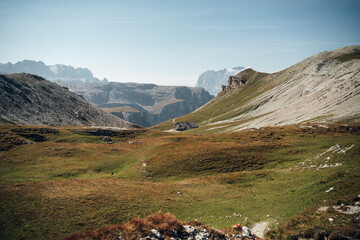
350	56
74	181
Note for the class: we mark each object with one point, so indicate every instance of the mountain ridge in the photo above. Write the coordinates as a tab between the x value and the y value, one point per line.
143	104
324	87
54	72
32	100
148	105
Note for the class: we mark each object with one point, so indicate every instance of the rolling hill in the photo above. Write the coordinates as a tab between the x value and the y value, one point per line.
321	88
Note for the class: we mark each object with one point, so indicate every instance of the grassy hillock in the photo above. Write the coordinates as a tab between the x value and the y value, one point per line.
58	181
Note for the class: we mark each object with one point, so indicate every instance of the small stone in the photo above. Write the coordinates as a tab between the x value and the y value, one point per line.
331	219
330	189
323	209
157	233
189	228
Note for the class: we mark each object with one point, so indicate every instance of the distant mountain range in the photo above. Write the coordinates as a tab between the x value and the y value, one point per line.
211	80
31	100
52	72
143	104
321	88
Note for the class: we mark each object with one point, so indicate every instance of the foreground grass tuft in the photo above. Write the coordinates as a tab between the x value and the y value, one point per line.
165	223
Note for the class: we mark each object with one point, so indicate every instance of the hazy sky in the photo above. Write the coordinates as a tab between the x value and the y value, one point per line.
171	42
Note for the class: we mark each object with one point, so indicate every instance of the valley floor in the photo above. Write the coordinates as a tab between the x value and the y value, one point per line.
295	180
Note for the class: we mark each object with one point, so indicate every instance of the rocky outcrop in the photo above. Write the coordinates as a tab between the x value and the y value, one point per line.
164	226
31	100
190	232
143	104
234	82
212	81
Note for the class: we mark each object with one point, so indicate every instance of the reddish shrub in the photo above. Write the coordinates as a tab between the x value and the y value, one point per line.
104	233
136	228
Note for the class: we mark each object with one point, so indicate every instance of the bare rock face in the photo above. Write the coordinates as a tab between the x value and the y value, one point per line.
212	80
143	104
234	82
32	100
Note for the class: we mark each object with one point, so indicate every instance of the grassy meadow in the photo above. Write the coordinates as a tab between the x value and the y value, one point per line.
58	181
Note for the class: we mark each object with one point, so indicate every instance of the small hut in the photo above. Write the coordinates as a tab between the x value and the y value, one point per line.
182	126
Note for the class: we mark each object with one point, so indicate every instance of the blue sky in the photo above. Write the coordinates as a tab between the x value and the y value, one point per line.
171	42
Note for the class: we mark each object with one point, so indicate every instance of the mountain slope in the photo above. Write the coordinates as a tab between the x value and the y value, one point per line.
324	87
32	100
52	72
211	81
143	104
